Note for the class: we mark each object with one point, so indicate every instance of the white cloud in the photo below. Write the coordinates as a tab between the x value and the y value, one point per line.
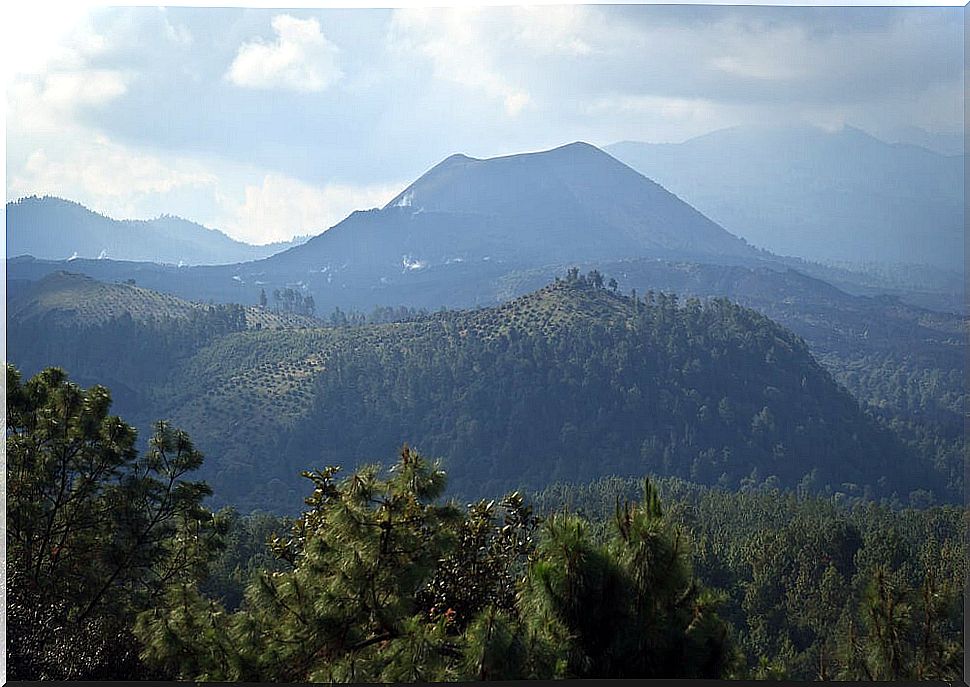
69	89
108	176
301	58
280	207
248	204
34	36
459	43
746	67
50	103
49	85
53	150
674	108
759	51
177	34
677	118
62	62
554	29
592	73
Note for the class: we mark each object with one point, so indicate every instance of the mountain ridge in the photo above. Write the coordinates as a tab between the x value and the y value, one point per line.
465	226
840	195
52	227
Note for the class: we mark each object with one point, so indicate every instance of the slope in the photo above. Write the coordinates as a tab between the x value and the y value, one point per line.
58	229
121	335
567	383
840	196
449	236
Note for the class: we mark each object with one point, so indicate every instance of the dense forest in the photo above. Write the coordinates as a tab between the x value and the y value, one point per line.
118	569
571	382
809	582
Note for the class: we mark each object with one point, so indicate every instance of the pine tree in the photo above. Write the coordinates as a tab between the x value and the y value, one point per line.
627	608
94	530
385	584
345	610
905	633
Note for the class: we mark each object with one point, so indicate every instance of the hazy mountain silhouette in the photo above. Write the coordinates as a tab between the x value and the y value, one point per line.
841	195
570	203
58	229
456	231
461	233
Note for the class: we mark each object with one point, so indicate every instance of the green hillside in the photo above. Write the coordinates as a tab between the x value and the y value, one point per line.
78	300
120	334
568	383
571	382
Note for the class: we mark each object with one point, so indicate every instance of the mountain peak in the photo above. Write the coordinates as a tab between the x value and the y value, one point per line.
578	147
573	202
574	148
459	157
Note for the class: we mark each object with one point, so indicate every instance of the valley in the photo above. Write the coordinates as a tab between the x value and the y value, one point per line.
555	325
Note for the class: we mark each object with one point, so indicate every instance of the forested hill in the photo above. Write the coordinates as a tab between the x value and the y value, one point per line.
568	383
120	335
78	300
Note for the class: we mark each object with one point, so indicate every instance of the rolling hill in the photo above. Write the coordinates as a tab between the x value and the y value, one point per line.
567	383
57	229
835	196
120	335
78	300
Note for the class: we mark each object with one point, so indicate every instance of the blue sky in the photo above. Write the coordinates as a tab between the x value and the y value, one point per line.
270	123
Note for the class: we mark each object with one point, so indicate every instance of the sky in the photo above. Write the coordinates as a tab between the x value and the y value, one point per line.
271	123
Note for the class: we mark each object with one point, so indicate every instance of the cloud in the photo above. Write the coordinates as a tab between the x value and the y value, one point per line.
301	58
486	49
668	119
178	34
280	207
80	88
554	29
49	85
553	59
133	110
105	175
248	204
458	42
35	37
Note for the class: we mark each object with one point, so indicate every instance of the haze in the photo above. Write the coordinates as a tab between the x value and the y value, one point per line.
268	124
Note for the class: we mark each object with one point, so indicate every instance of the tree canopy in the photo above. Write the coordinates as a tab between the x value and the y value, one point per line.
95	531
386	583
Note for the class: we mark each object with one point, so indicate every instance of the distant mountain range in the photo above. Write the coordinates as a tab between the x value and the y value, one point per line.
57	229
448	238
830	196
943	143
461	234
